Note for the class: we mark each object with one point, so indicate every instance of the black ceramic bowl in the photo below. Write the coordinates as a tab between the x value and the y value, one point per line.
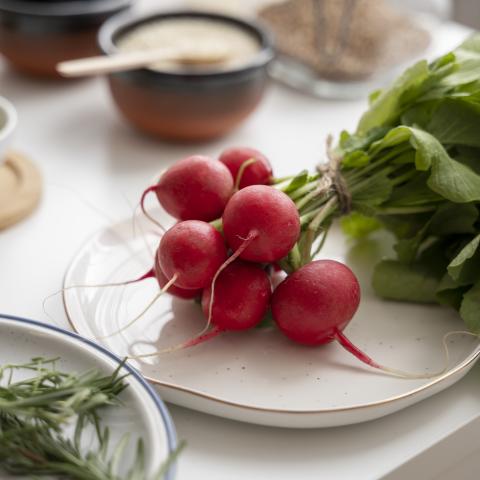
37	34
187	106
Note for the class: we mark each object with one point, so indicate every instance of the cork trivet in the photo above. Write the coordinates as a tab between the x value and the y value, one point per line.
20	189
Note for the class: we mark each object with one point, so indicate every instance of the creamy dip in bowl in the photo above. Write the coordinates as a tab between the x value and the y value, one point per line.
240	45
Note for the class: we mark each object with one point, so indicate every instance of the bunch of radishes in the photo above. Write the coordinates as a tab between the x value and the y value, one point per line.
235	227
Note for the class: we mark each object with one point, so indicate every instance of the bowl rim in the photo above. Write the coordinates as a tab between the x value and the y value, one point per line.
63	8
11	118
134	374
124	21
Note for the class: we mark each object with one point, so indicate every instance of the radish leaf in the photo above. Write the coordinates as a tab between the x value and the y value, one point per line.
470	308
449	292
464	267
298	181
454	219
357	225
386	105
399	281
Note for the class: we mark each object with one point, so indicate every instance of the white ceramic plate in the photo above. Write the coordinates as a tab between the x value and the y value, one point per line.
142	413
259	376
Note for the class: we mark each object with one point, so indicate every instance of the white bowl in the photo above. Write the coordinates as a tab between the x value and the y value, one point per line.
8	123
142	413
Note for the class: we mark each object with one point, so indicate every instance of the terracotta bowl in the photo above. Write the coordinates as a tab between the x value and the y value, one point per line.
37	34
187	106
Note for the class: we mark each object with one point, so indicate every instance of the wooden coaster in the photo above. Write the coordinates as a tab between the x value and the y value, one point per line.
20	189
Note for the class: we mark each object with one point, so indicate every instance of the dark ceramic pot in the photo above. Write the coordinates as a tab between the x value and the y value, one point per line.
187	106
37	34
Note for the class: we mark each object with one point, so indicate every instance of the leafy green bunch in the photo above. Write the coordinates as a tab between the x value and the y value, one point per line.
412	167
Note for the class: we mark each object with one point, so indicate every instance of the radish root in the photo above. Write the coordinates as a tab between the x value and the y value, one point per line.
153	188
149	274
350	347
206	334
136	224
215	331
246	242
144	311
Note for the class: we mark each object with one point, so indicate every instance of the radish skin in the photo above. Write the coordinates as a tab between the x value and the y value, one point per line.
314	303
186	294
195	188
240	302
258	172
192	251
267	212
241	297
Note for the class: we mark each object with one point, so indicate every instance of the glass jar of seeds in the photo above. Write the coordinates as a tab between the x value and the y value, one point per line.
342	48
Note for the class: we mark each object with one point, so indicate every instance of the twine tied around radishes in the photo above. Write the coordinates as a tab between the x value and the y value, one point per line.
236	226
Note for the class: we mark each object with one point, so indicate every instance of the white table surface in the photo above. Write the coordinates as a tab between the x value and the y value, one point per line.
94	169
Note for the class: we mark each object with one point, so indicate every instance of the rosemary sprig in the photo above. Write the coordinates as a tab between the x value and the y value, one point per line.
53	396
36	412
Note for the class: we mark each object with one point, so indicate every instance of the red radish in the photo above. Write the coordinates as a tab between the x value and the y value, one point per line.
316	302
186	294
266	214
195	188
191	251
241	297
188	257
257	172
240	301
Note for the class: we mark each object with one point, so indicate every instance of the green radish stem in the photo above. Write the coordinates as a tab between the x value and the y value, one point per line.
314	226
306	199
405	210
322	242
300	192
295	257
408	175
279	180
352	176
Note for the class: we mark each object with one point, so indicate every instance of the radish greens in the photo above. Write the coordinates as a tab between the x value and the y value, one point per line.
412	167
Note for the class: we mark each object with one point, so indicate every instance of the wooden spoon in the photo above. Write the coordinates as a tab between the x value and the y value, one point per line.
119	62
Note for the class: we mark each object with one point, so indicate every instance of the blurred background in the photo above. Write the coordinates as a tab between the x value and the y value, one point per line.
467	12
463	11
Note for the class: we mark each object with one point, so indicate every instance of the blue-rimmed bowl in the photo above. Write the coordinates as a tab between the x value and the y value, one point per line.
142	413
